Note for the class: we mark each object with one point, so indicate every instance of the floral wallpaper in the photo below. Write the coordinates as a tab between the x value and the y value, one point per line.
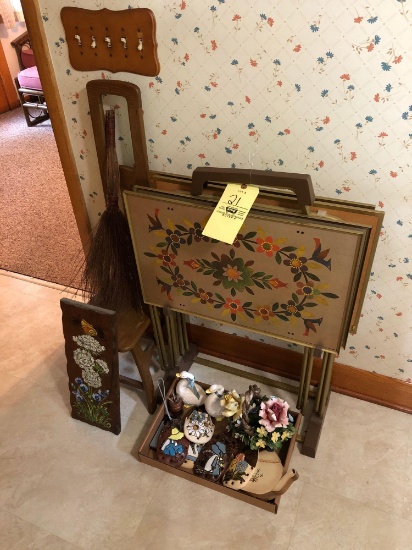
297	86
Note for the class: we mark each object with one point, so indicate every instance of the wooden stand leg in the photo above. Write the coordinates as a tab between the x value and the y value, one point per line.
317	418
308	376
143	360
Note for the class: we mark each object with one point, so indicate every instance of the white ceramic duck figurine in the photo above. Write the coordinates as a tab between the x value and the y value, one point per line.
189	391
212	401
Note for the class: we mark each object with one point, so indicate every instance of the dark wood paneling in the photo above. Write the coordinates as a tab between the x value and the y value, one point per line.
347	380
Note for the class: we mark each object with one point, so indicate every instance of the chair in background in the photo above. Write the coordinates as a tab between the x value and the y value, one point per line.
29	87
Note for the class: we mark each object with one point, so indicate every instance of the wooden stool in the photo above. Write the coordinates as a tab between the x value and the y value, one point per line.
131	326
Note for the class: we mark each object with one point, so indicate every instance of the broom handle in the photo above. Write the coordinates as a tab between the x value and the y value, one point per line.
112	165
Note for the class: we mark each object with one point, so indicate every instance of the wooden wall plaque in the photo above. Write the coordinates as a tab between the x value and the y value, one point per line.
123	40
90	335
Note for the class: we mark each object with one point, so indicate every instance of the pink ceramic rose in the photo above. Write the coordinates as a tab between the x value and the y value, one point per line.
274	414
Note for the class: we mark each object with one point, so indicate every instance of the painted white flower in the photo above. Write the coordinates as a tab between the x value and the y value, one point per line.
91	377
101	366
83	358
89	343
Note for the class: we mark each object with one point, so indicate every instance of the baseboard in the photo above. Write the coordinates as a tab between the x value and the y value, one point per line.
358	383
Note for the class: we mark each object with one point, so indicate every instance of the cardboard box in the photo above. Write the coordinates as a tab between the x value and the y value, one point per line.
148	456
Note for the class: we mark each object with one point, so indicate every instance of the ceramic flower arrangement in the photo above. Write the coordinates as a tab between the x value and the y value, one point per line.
264	422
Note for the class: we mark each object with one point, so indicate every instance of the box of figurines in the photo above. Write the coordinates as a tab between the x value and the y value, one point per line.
239	445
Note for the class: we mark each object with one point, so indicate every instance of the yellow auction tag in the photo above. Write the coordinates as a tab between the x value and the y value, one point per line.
230	212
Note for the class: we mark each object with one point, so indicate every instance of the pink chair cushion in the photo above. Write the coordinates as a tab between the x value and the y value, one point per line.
29	78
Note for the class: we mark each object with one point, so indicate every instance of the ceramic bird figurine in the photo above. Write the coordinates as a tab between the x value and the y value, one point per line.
189	391
212	401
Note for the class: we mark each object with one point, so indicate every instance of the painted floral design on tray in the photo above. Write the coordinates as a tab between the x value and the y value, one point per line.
237	276
91	402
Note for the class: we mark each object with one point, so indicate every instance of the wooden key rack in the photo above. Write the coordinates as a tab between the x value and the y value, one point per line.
123	40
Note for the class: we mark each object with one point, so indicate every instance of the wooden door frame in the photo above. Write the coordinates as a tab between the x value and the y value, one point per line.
38	39
8	86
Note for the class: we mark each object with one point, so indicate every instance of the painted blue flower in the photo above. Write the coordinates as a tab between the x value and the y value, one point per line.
182	142
373	172
324	93
377	39
329	54
280	162
235	62
173	118
187	138
178	15
385	66
97	397
230	103
400	222
250	125
314	28
337	141
298	87
208	88
78	380
405	116
169	160
351	87
311	148
175	41
189	166
158	79
79	397
212	8
409	275
263	16
281	133
196	29
368	118
268	119
338	192
320	60
233	165
358	125
372	20
277	62
319	128
218	131
177	91
214	116
150	140
83	387
228	150
68	72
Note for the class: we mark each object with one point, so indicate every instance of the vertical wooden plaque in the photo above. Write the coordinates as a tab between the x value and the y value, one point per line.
90	335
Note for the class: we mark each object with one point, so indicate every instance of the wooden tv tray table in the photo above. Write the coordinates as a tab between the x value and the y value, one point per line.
317	297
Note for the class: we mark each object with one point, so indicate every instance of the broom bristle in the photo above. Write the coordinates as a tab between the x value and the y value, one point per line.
110	279
110	275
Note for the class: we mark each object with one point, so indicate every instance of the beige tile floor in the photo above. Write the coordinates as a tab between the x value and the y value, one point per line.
65	485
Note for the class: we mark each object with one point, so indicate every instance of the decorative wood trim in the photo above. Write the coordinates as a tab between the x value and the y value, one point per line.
8	86
38	40
347	380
